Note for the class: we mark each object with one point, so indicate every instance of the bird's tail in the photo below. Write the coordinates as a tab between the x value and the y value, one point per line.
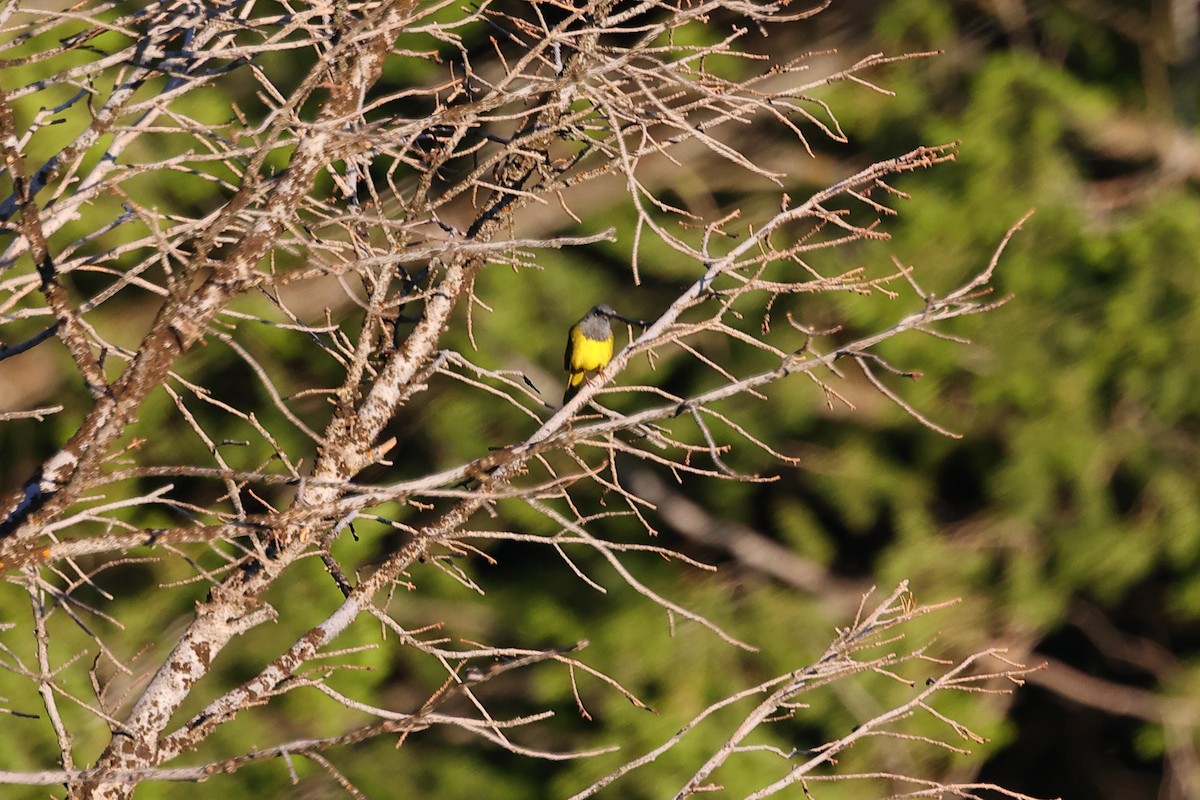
574	381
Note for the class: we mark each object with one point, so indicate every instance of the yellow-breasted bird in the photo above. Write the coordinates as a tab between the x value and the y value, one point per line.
589	347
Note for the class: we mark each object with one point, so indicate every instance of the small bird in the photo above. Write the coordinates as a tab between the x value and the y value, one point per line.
589	347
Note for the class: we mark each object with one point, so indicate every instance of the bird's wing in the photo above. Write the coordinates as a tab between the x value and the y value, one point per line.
570	347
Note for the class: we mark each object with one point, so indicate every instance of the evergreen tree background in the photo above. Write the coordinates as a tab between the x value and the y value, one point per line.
1066	517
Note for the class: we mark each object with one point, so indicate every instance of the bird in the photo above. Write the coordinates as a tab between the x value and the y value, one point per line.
589	347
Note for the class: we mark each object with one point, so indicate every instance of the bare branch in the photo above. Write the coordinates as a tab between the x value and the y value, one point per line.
268	239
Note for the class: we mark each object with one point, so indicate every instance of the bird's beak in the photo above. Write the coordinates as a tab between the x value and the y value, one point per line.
629	320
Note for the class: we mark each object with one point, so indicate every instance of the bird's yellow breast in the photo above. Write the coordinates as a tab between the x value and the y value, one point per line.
589	354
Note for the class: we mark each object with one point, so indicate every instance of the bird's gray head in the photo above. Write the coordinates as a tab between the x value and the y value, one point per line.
596	323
